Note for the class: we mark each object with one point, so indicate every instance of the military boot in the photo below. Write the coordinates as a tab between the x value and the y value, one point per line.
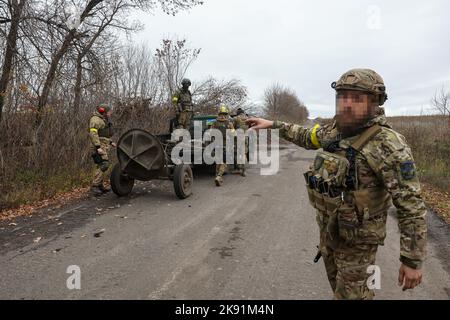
104	189
96	190
219	181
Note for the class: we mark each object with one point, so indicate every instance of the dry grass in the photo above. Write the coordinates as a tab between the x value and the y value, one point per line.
50	162
429	139
52	159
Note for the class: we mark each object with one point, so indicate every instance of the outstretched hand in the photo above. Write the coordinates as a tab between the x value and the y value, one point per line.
258	123
409	278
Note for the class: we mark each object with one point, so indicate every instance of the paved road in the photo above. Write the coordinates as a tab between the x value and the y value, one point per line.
254	238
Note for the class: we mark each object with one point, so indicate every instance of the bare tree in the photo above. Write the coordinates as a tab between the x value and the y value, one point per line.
253	109
283	104
90	10
69	37
174	58
210	93
109	17
15	10
441	102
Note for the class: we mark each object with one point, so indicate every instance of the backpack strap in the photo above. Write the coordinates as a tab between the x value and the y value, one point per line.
366	136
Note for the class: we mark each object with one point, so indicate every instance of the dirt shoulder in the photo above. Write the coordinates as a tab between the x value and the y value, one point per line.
54	202
438	200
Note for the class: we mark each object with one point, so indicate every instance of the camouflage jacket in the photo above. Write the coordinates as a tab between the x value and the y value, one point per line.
239	122
223	124
182	100
99	129
385	161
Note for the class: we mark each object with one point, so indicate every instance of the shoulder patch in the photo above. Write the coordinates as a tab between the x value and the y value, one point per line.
408	170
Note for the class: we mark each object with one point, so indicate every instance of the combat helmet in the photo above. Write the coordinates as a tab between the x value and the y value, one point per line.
186	82
103	108
365	80
224	110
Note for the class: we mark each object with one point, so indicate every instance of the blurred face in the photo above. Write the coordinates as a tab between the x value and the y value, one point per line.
353	109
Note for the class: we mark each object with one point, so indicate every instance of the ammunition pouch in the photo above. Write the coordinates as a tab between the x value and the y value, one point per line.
327	217
369	213
362	220
97	158
104	166
327	209
348	223
185	108
331	167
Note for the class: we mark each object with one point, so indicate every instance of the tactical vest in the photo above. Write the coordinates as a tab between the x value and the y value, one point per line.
222	126
185	100
343	207
106	131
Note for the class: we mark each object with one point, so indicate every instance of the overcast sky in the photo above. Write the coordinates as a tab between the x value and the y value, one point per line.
306	45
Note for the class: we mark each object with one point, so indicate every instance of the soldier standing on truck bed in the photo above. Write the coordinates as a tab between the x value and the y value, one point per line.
182	102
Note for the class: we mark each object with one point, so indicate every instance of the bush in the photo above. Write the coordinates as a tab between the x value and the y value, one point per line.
39	162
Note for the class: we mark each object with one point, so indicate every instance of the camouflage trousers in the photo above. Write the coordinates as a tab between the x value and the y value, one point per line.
103	165
184	119
346	268
239	157
221	169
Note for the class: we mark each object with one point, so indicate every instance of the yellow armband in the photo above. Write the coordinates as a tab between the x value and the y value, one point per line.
314	139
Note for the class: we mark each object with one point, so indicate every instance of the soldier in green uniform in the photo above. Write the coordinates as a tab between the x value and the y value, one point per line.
100	133
239	122
364	166
182	102
222	124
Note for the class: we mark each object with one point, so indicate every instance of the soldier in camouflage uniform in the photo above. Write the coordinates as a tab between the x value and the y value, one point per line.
222	124
100	132
182	101
239	122
364	167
